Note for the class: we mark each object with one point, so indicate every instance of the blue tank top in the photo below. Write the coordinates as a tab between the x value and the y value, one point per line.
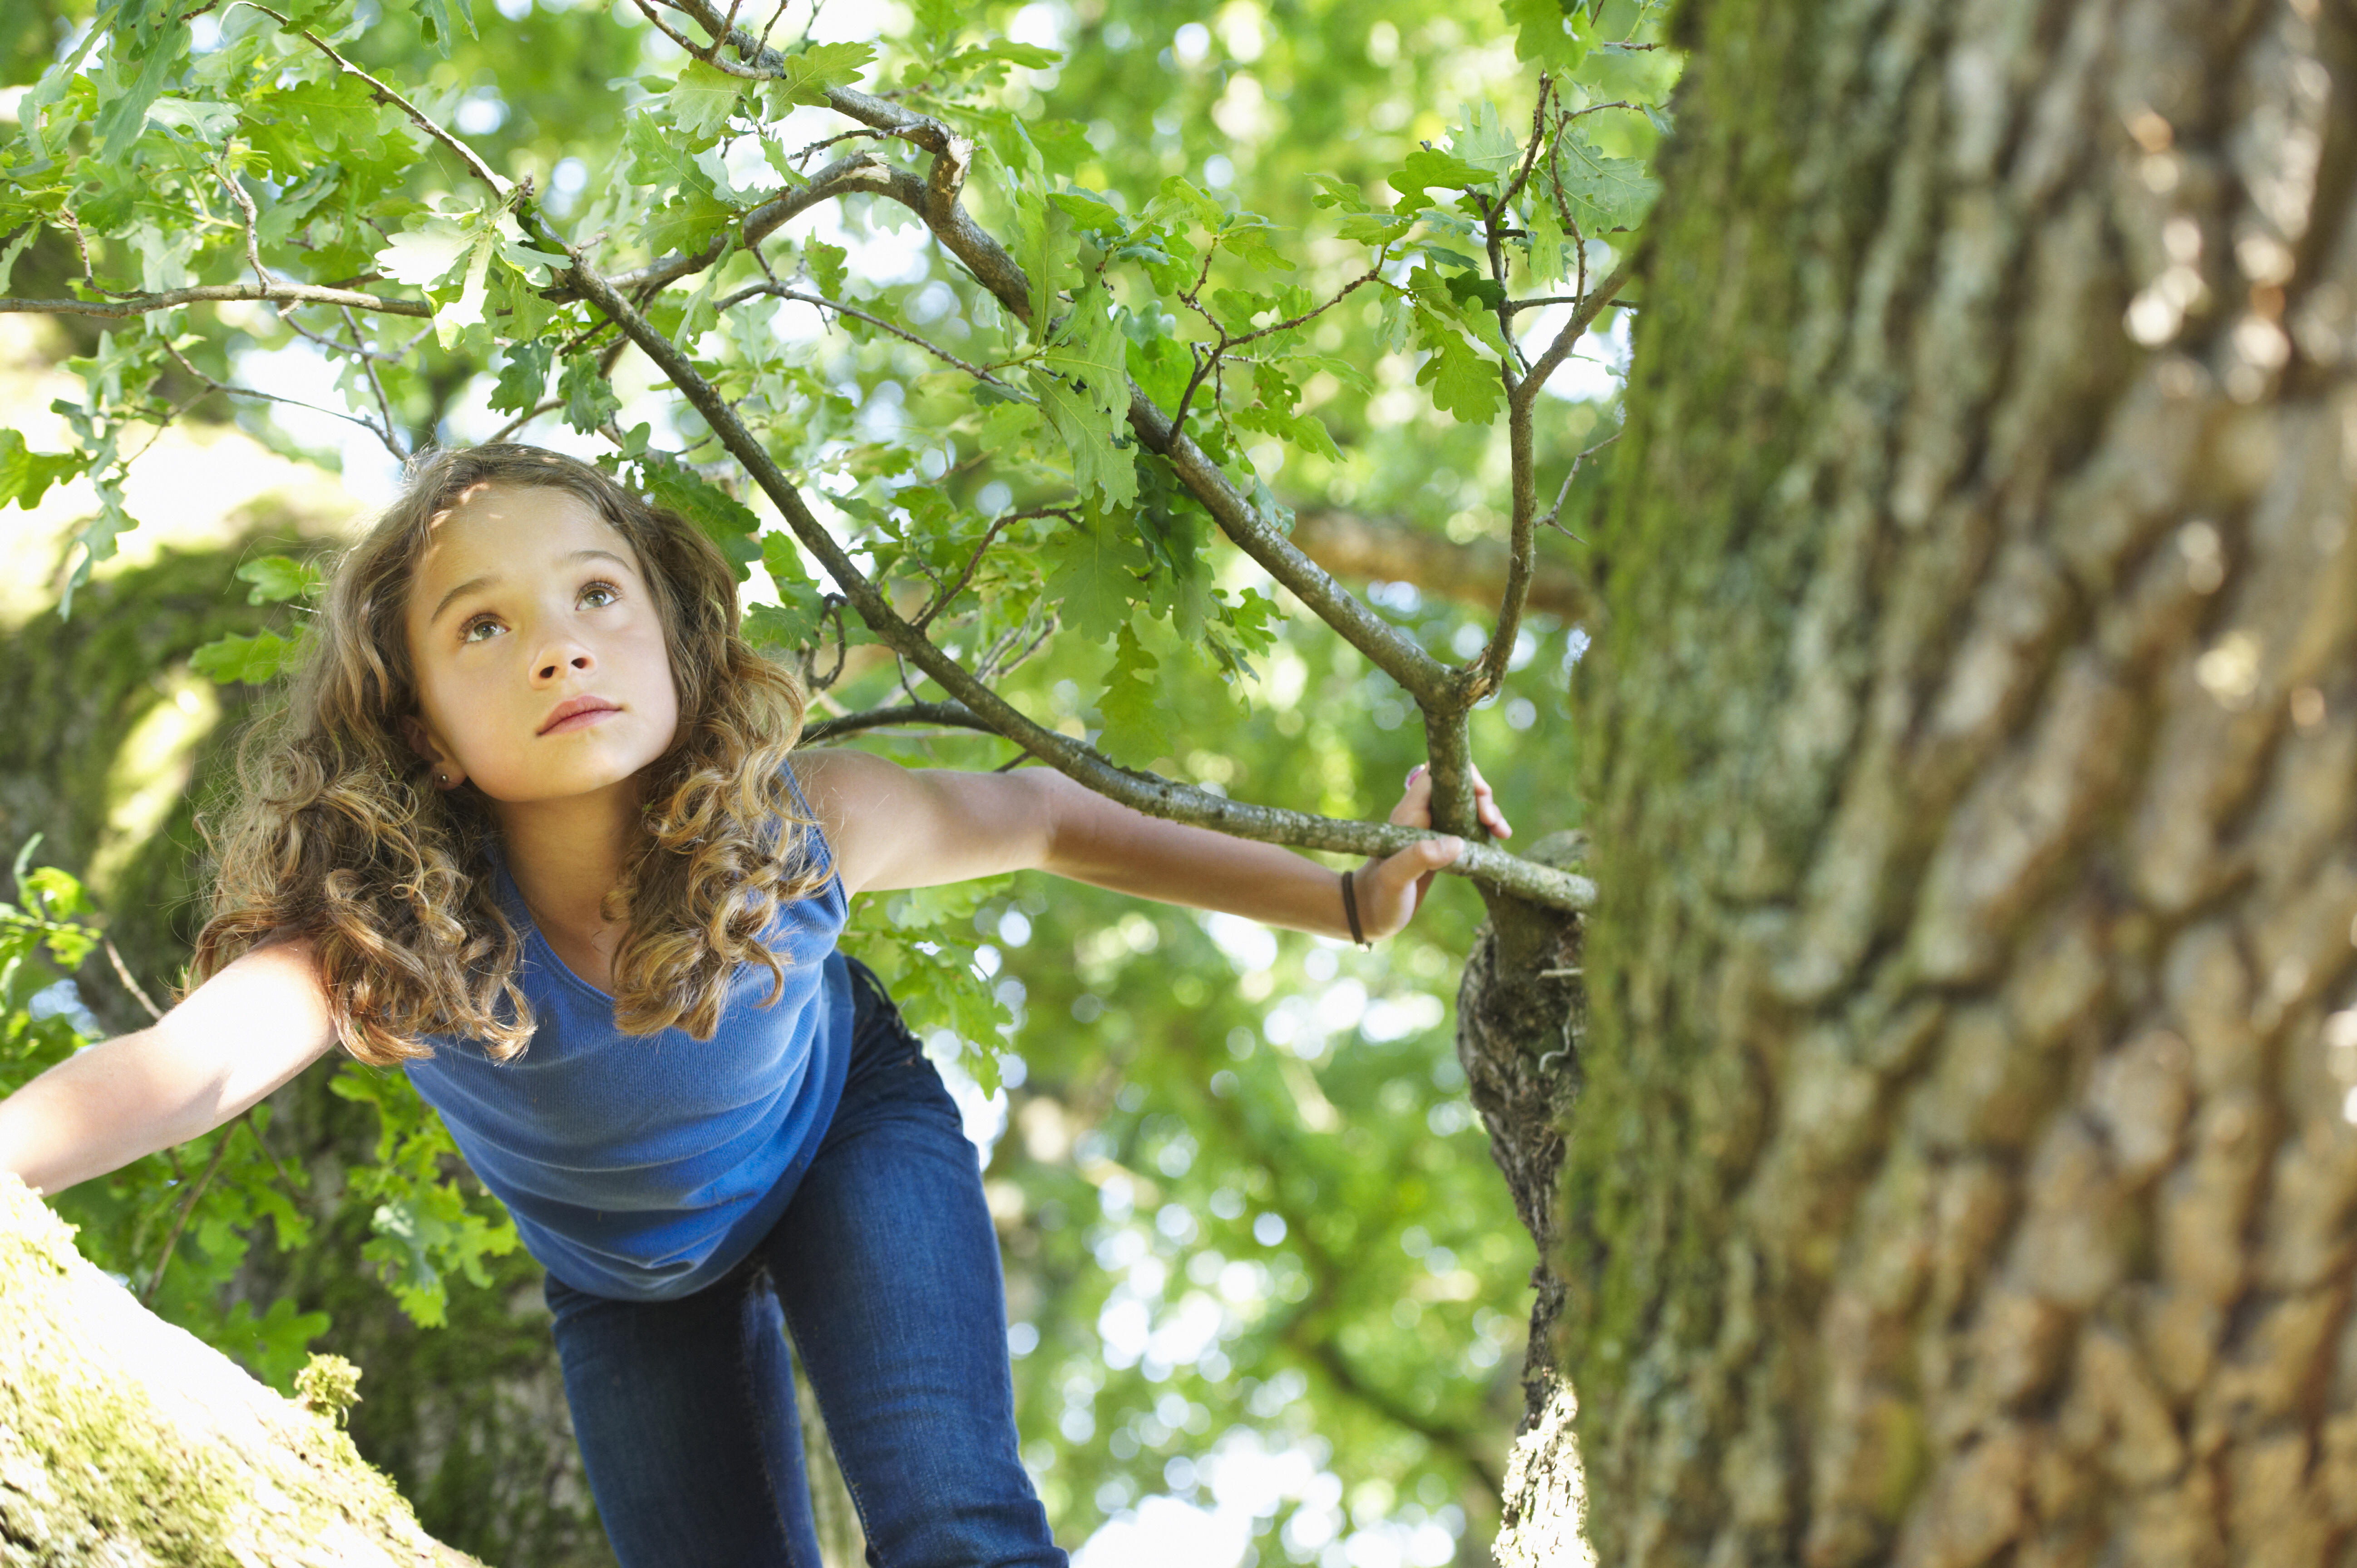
645	1166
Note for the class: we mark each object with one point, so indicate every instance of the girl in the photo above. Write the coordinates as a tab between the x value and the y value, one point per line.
527	827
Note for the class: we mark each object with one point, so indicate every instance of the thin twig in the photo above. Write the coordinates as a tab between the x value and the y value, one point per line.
385	94
385	437
253	220
180	1222
544	405
775	17
942	600
856	132
123	973
1554	512
780	291
376	383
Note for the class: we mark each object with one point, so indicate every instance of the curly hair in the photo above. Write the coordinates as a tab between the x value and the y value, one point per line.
331	831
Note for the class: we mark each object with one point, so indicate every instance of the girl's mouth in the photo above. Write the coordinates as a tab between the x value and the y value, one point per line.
577	713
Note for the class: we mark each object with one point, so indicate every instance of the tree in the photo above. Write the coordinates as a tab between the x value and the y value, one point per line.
1963	1171
170	147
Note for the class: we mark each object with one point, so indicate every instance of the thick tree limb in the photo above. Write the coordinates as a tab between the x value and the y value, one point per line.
125	1440
1142	792
277	293
1391	550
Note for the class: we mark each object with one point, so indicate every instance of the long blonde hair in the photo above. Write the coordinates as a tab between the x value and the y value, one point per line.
333	831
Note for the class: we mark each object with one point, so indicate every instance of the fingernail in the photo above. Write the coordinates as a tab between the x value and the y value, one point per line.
1454	845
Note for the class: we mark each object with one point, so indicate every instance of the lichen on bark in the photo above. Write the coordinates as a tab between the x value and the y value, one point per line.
125	1442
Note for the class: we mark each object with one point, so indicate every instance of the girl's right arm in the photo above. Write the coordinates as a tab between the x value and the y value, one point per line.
230	1042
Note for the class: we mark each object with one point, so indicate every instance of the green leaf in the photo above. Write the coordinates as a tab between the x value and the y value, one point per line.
523	379
1549	249
57	890
660	162
1604	193
424	256
1090	211
95	541
829	266
1087	397
789	625
1333	192
702	99
16	248
1428	166
590	399
1136	713
804	78
1095	573
685	224
919	942
440	22
1471	289
252	660
25	475
1543	33
292	126
205	121
726	521
277	578
1483	143
123	112
1463	382
1376	228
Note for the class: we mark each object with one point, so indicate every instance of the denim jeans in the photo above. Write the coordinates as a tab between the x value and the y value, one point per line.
885	1272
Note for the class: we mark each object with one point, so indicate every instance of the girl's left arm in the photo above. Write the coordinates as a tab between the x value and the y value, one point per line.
895	827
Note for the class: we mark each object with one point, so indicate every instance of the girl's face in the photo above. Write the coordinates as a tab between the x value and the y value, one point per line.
541	663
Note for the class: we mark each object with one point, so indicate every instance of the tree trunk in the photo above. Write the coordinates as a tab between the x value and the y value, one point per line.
1963	1170
124	1441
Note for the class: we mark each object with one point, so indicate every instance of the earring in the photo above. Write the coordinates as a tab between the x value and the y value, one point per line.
443	780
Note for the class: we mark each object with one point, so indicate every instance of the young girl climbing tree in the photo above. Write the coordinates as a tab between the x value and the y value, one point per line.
531	826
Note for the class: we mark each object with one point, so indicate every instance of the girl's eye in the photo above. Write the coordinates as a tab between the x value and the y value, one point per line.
597	596
467	633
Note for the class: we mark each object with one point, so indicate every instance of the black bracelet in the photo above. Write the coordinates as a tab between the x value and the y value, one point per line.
1351	912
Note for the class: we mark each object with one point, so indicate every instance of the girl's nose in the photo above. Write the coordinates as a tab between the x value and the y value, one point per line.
580	664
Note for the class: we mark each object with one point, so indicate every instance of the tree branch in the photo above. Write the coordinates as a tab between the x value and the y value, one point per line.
780	291
860	172
1141	791
1489	672
948	715
277	293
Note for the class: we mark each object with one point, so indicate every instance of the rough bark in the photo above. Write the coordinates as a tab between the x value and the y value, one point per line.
1963	1171
125	1441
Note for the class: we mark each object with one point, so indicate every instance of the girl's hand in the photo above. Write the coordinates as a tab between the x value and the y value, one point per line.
1390	891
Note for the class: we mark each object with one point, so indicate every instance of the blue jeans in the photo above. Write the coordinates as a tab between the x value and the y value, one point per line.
884	1271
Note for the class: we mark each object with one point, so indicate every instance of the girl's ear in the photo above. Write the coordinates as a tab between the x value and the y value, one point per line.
448	774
